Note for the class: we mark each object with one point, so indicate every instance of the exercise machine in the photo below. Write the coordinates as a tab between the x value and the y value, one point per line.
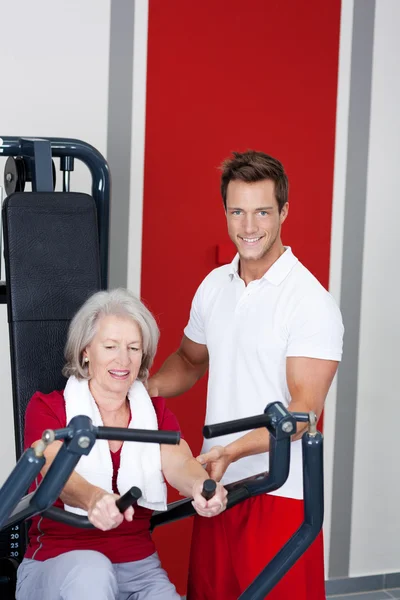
56	256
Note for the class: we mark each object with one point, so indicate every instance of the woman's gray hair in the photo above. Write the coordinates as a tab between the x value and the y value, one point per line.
119	303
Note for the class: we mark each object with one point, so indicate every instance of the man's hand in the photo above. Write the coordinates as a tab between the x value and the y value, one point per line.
103	512
216	461
152	388
212	507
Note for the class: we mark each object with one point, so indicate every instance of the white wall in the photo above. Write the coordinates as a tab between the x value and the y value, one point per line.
138	145
335	275
376	495
375	527
54	59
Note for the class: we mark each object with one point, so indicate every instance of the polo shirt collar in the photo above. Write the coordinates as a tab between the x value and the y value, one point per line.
275	274
234	267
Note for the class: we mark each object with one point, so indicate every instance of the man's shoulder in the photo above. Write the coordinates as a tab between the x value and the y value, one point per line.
305	282
306	294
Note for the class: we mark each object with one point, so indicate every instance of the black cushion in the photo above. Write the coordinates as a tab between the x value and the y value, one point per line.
52	266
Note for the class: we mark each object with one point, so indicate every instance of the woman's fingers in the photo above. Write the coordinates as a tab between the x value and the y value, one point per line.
105	515
214	506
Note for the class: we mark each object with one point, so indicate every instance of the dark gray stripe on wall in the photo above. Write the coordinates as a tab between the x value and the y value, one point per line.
351	284
119	134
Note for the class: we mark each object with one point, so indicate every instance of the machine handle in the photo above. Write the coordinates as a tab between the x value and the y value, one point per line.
128	499
68	518
209	487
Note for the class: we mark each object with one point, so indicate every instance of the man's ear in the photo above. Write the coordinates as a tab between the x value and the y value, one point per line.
284	212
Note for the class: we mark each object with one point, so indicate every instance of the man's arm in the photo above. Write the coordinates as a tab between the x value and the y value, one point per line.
309	380
180	371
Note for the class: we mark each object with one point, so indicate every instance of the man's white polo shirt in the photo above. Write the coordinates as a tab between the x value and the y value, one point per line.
249	331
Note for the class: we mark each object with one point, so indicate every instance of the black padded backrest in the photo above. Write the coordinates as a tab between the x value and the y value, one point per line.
51	253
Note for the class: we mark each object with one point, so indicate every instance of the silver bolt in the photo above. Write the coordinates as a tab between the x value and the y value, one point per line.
39	448
312	426
84	441
48	436
287	427
9	177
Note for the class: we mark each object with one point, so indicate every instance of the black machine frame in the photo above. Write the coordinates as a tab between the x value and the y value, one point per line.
80	435
31	160
37	154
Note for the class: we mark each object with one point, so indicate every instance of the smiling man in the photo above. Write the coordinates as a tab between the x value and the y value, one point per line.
267	331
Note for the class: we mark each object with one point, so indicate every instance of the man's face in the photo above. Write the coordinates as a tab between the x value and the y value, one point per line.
253	218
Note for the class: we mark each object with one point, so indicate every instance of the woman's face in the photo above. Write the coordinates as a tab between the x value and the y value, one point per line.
115	355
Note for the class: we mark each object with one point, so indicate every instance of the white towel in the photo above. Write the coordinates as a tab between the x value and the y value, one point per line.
140	462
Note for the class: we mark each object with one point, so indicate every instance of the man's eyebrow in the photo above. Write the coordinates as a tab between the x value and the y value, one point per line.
259	208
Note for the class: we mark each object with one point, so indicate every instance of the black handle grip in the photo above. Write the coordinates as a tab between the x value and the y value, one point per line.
68	518
218	429
209	487
149	436
128	499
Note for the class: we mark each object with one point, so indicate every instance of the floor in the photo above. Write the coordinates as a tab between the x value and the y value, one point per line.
380	595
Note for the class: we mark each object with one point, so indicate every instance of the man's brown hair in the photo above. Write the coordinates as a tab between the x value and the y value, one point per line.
251	166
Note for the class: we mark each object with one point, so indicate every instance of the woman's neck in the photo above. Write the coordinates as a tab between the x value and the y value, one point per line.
114	409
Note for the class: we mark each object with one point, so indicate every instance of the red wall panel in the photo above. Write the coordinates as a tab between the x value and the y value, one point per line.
227	75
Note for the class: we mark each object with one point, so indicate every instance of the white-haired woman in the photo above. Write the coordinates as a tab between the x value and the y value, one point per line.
111	344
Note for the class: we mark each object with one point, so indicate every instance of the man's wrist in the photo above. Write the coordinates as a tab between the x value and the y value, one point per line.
231	452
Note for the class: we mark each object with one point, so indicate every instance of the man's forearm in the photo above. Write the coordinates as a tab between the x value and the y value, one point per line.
255	442
175	377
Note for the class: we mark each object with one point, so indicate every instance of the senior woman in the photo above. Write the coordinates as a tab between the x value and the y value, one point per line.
111	344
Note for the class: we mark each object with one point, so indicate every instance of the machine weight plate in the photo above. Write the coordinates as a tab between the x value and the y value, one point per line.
8	578
17	173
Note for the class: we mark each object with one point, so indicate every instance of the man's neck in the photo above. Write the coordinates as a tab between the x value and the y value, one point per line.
250	270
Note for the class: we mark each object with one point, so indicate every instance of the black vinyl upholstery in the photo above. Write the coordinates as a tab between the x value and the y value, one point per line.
52	266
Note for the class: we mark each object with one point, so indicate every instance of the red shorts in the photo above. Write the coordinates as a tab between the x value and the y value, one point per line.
229	551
